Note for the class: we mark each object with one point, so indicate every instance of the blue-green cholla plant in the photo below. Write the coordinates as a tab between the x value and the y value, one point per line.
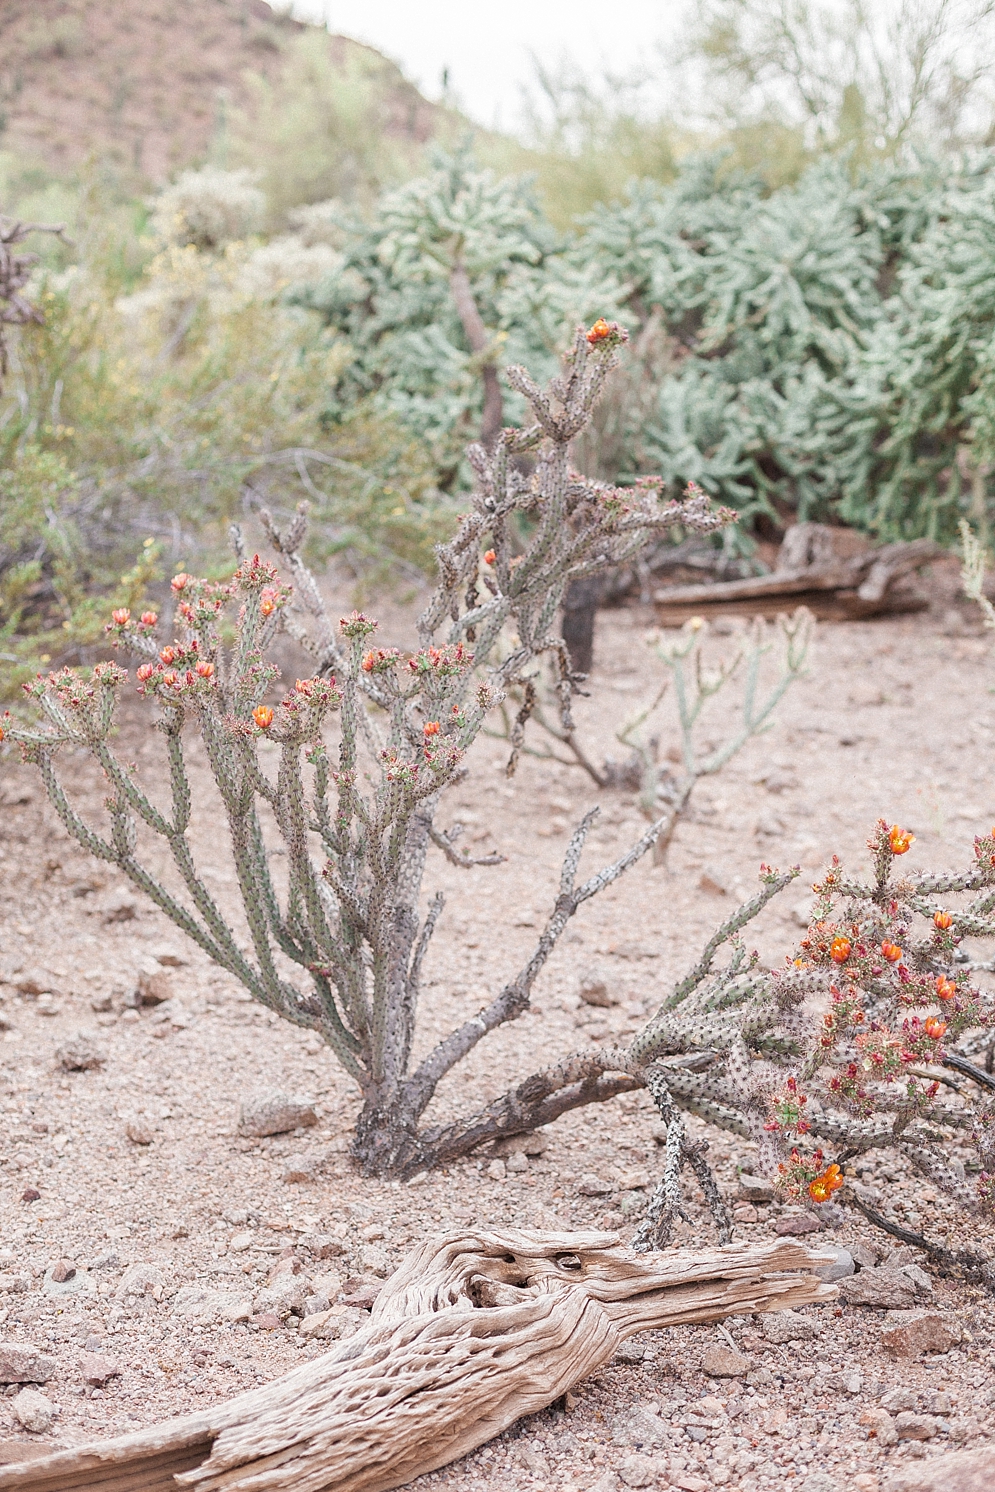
341	950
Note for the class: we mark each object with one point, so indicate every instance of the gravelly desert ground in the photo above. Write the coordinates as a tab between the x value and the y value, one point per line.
138	1162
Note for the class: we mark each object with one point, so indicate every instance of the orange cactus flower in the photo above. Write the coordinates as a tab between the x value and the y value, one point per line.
935	1028
267	602
891	952
145	672
945	988
180	582
490	557
149	618
263	716
168	655
599	331
839	950
900	840
205	669
432	728
121	616
942	920
821	1188
2	732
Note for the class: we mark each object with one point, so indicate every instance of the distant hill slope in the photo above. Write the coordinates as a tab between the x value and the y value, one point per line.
144	85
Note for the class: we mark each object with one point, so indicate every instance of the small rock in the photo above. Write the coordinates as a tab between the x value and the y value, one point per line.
139	1132
239	1242
98	1369
275	1113
866	1481
517	1163
919	1278
31	1194
531	1144
940	1403
101	1004
374	1261
303	1171
907	1333
784	1326
713	883
329	1283
755	1188
590	1185
865	1255
496	1170
170	959
745	1212
283	1298
899	1398
361	1292
637	1471
688	1482
321	1245
963	1471
267	1321
81	1052
140	1280
321	1325
207	1307
35	982
724	1362
34	1411
881	1425
154	987
911	1426
888	1288
62	1271
797	1224
630	1353
839	1264
593	990
22	1363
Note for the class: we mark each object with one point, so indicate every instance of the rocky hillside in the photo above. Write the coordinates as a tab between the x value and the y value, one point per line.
145	86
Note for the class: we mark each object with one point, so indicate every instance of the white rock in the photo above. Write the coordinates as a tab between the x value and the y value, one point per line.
34	1411
275	1113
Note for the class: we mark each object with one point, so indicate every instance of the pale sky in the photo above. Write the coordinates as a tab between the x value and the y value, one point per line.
487	47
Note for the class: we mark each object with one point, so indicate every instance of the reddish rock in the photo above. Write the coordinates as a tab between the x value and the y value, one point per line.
62	1271
98	1369
267	1321
797	1225
907	1333
362	1292
20	1362
31	1194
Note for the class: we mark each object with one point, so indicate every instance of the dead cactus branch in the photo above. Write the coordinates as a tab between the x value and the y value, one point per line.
469	1335
15	272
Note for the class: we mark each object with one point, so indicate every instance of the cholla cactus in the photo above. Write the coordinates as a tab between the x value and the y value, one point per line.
868	1070
349	920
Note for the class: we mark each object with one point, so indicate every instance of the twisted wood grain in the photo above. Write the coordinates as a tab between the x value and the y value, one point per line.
472	1332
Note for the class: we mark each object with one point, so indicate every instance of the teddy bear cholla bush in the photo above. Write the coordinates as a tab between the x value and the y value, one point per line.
357	829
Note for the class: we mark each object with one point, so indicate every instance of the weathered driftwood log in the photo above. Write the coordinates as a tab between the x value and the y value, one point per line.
836	573
471	1333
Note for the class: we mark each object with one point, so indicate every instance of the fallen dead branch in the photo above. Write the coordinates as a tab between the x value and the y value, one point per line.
471	1333
837	574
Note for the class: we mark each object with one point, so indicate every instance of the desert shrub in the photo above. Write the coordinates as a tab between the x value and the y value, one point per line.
208	209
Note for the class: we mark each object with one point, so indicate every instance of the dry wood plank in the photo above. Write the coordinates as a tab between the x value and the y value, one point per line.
472	1332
